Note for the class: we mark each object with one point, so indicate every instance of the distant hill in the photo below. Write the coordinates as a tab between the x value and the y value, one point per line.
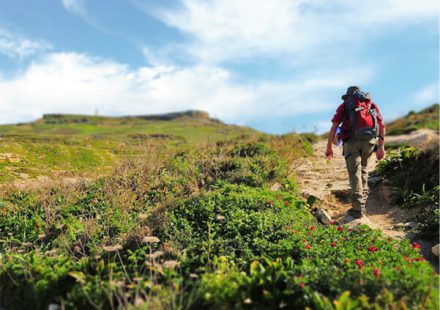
426	118
65	144
74	118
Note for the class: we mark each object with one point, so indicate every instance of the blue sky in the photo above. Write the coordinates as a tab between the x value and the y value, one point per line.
278	65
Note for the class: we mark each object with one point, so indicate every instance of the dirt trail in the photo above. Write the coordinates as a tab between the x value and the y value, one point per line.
328	181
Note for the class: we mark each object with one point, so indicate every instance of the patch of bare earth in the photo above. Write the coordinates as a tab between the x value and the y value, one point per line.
327	180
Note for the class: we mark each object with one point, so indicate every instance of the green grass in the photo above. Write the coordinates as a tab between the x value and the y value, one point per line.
89	146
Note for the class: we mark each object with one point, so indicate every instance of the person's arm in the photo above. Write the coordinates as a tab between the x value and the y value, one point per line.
380	153
331	135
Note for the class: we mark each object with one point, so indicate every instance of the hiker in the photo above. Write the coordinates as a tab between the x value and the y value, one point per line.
361	126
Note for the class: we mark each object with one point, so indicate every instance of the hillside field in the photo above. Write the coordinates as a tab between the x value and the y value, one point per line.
426	118
88	146
183	213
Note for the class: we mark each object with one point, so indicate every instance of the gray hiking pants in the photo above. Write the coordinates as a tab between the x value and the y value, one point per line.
357	153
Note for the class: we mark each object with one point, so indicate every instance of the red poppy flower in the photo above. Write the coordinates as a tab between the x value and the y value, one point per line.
398	268
350	229
301	285
333	244
372	248
307	246
286	203
376	272
312	227
340	228
420	259
415	245
342	239
360	264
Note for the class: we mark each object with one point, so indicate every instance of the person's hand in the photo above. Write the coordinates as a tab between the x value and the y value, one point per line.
380	153
329	153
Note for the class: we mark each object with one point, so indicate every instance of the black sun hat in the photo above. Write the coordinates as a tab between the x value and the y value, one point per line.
350	91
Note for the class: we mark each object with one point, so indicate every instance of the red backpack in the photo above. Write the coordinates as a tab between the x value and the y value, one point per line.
361	116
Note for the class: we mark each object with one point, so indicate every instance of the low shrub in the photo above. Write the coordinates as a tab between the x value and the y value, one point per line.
197	229
414	180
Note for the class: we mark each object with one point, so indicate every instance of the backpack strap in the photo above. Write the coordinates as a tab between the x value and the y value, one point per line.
372	111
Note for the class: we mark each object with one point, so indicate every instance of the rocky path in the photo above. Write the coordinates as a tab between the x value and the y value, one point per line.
327	180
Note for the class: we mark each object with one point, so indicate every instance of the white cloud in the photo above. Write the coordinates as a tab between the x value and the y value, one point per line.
231	29
76	83
14	45
427	95
75	6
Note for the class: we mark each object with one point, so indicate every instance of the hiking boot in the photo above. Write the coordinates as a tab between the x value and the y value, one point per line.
357	214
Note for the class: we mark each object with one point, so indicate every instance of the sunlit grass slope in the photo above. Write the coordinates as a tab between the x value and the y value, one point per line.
79	145
427	118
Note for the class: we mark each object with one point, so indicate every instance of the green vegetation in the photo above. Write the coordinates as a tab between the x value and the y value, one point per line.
414	180
197	226
89	146
426	118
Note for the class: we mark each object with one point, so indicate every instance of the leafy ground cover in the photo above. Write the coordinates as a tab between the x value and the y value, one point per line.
199	227
413	176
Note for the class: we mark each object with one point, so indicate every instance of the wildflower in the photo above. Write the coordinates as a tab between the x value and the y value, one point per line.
307	246
301	285
376	272
408	259
112	248
247	301
150	239
372	249
340	228
332	222
415	245
342	239
360	264
155	255
194	276
420	259
286	203
350	229
398	268
278	197
312	228
333	244
220	218
170	263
